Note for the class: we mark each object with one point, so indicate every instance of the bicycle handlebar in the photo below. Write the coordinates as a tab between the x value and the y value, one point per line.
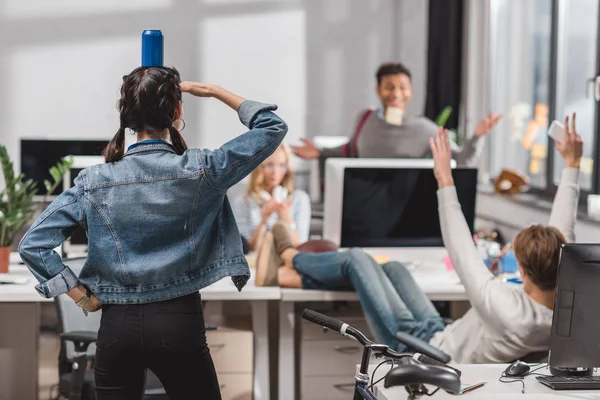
429	354
416	368
320	319
422	346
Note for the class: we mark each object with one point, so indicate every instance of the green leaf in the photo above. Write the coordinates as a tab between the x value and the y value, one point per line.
55	174
444	116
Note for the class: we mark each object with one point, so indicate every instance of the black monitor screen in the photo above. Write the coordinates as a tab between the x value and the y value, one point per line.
38	156
391	207
575	337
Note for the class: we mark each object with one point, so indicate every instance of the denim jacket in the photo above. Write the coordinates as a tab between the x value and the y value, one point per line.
159	225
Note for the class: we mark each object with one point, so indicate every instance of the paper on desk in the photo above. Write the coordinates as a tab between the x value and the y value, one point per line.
7	279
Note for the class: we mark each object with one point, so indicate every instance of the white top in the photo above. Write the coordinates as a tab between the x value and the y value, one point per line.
504	323
248	215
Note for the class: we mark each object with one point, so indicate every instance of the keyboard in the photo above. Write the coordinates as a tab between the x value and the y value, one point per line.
570	382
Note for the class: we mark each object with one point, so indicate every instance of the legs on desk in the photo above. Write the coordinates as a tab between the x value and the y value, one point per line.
19	347
391	299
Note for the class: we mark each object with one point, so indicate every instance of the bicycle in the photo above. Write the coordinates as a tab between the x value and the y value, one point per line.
414	370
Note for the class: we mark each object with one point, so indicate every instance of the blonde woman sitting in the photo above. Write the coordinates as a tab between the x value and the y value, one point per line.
271	198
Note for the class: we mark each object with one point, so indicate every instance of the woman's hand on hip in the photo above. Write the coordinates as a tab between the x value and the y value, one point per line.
92	305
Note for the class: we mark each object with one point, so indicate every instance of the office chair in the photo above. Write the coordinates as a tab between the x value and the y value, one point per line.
78	335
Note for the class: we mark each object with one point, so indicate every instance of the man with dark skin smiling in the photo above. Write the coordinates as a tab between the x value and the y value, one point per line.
375	137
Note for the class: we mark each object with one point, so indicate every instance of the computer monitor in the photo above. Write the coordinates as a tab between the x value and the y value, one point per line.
575	335
38	156
316	166
77	243
389	202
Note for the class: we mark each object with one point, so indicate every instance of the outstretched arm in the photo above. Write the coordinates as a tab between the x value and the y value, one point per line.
482	290
468	154
564	208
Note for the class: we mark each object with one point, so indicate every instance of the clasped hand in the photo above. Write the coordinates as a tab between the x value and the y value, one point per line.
282	209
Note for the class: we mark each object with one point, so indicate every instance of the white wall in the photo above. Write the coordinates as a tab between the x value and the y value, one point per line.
61	62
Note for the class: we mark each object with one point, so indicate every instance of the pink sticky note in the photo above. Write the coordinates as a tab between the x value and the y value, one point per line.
448	263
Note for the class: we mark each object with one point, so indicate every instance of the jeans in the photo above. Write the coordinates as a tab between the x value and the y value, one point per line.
391	299
167	337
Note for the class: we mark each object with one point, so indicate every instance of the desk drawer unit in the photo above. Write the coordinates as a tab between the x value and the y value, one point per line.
328	360
236	386
231	351
328	388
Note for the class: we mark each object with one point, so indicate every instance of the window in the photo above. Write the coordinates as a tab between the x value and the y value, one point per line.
543	56
520	46
576	63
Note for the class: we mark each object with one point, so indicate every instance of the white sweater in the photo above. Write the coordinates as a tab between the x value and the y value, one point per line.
504	323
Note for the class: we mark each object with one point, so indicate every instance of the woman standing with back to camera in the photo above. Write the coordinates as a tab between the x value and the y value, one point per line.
159	228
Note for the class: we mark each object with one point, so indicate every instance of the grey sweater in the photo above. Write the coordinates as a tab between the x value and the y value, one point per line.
504	323
378	139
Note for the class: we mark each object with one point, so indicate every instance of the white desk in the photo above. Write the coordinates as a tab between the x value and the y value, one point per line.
493	390
19	339
427	267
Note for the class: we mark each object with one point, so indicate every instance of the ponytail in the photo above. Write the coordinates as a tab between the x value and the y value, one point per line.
114	151
179	144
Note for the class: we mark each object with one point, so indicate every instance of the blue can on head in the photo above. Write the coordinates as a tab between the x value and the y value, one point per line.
152	48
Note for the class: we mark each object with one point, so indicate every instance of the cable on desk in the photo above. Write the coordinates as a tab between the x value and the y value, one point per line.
375	370
512	381
521	379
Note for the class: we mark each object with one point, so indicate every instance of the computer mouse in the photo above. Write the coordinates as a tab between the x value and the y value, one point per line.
518	368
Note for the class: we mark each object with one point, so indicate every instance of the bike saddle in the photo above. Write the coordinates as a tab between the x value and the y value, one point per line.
412	372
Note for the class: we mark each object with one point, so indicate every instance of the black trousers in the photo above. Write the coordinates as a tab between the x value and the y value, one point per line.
168	338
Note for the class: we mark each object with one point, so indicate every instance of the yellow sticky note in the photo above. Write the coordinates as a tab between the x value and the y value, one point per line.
587	165
381	259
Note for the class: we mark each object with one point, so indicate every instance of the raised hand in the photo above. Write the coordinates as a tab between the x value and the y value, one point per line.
284	210
307	151
442	157
197	89
571	148
487	124
267	209
207	90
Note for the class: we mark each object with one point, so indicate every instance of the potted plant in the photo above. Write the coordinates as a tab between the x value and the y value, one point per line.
17	207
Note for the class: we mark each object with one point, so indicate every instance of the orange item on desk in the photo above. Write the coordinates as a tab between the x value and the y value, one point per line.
381	259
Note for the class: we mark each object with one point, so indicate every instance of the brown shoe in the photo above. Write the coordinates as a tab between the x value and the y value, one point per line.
282	237
268	262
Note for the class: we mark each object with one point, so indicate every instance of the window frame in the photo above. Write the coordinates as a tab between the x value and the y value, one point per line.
550	188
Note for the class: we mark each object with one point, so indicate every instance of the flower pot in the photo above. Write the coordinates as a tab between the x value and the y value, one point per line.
4	256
